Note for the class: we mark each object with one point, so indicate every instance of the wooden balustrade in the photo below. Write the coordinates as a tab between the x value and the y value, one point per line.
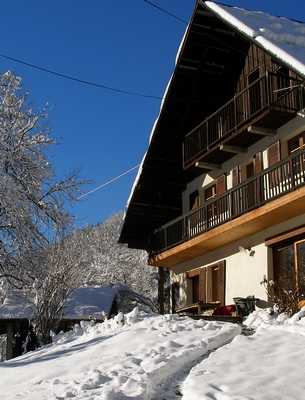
262	94
268	185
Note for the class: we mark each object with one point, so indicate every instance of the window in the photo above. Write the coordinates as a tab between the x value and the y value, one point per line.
296	143
207	284
210	192
195	289
289	264
194	200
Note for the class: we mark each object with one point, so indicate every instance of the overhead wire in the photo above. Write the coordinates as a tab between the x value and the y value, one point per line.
109	182
166	11
79	80
100	86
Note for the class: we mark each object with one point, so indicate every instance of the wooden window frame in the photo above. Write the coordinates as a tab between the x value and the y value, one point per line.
301	139
211	186
194	200
288	240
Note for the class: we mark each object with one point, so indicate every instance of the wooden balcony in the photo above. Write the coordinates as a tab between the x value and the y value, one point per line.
271	197
269	102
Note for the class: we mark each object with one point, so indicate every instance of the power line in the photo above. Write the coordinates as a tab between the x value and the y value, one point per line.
166	12
108	182
79	80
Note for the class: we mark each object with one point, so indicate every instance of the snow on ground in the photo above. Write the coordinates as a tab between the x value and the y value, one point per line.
268	365
112	360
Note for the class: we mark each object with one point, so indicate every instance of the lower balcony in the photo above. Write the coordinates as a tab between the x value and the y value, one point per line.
271	197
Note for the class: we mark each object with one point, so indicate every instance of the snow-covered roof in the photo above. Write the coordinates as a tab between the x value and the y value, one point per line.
16	306
282	37
83	303
86	302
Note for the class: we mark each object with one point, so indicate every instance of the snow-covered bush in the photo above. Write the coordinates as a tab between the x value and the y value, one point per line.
285	300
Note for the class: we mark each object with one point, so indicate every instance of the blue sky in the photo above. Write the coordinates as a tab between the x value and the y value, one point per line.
128	45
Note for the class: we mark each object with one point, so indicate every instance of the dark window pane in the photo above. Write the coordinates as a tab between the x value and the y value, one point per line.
284	270
301	264
195	288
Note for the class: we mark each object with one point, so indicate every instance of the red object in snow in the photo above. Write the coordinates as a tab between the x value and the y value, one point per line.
225	310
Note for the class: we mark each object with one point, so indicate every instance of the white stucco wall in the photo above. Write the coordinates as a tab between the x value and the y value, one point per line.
243	272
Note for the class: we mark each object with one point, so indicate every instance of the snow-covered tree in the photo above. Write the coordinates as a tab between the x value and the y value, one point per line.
31	199
105	261
58	274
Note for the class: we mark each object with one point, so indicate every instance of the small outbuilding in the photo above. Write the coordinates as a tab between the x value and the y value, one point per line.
84	303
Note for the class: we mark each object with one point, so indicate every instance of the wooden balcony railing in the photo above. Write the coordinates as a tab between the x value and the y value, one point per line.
270	90
270	184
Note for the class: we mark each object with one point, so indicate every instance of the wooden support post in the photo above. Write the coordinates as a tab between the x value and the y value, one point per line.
261	131
205	165
161	289
232	149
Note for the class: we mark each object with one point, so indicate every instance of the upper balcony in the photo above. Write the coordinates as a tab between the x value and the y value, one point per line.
272	196
268	103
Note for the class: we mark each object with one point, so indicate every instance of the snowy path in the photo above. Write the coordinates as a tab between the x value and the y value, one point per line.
114	362
267	365
171	388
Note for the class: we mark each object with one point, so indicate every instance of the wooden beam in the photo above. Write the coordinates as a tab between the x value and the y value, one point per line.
205	13
205	165
213	29
232	149
158	206
187	67
190	61
258	130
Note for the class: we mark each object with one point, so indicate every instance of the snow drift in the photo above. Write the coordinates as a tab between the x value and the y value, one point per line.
127	357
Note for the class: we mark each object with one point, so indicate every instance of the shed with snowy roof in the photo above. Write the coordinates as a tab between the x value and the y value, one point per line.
84	303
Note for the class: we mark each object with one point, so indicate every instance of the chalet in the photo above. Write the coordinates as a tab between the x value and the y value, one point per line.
219	199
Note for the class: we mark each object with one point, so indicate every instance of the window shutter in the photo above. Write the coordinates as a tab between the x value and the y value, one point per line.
274	153
222	282
221	184
215	283
258	162
209	277
202	285
235	176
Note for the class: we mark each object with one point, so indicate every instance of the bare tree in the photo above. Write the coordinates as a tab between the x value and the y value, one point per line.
58	274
